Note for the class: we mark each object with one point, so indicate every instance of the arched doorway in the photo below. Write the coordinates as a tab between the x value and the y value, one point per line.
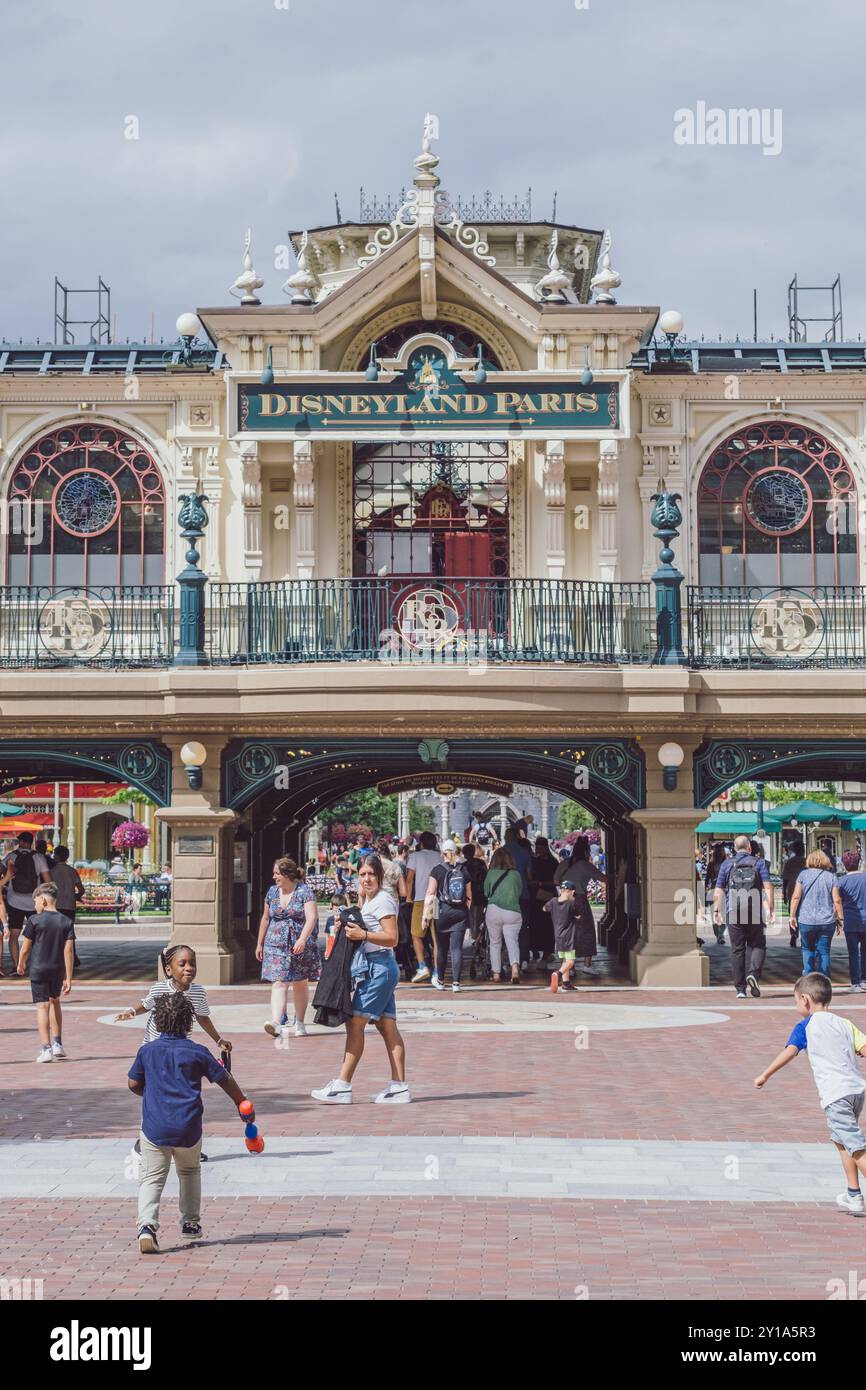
277	787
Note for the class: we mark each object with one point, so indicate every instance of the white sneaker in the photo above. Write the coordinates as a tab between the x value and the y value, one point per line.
741	994
855	1205
436	982
455	989
335	1093
58	1051
45	1054
300	1030
421	976
396	1094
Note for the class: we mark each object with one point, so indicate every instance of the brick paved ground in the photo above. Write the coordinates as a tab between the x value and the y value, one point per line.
666	1084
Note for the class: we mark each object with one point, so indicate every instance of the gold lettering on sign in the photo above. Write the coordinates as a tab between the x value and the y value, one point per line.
507	400
359	405
475	405
550	402
273	405
311	405
583	401
335	405
381	403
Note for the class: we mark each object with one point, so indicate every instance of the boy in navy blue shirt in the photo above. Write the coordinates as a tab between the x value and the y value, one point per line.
167	1073
49	946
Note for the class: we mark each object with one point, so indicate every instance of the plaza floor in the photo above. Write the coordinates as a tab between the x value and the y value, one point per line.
608	1144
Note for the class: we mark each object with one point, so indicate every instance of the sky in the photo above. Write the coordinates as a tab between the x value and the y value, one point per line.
255	112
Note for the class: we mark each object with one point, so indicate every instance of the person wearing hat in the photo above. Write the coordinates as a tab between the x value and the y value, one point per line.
562	913
451	886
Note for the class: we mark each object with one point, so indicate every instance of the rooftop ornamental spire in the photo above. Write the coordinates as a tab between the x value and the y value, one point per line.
302	284
245	286
605	279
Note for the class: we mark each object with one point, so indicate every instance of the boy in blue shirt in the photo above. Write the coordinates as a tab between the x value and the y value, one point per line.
167	1073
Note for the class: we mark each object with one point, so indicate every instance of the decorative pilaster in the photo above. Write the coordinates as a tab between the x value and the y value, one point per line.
251	497
554	499
305	509
608	498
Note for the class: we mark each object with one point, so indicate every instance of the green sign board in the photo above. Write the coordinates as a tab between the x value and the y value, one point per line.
429	395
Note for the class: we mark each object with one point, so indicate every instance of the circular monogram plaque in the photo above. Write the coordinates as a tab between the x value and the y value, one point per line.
778	501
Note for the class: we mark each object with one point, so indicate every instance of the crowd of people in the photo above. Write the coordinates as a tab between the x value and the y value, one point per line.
825	896
481	898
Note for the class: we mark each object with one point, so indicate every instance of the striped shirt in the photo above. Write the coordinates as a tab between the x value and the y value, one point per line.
196	995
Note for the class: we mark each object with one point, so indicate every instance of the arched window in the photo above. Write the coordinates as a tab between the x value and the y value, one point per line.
438	508
777	506
96	512
463	340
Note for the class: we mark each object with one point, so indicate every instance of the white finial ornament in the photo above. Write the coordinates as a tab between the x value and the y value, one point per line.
551	286
302	284
427	161
245	286
605	279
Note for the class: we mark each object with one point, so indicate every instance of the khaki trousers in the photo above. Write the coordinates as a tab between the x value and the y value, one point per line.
154	1170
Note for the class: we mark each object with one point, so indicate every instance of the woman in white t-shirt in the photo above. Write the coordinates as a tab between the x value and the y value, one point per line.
374	997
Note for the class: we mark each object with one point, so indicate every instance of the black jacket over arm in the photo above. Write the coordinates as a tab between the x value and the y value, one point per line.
333	998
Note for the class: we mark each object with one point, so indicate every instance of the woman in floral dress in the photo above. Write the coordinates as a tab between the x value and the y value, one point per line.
287	945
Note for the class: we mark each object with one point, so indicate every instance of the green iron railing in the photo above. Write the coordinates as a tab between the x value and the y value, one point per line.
772	628
102	625
435	621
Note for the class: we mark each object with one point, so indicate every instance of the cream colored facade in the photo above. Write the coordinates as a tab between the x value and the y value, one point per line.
280	509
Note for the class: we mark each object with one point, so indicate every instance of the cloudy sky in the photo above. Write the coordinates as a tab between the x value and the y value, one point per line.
255	112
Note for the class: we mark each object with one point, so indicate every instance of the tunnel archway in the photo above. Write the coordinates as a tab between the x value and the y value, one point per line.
722	763
277	786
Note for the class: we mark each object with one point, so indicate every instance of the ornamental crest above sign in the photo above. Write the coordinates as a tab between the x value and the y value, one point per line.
74	625
428	395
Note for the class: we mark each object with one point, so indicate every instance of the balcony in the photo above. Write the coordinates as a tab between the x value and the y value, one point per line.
435	622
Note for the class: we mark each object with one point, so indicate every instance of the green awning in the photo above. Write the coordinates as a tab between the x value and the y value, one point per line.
804	811
726	824
858	822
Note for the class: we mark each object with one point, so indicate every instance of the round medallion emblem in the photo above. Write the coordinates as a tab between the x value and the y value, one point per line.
778	501
427	620
74	625
86	503
786	625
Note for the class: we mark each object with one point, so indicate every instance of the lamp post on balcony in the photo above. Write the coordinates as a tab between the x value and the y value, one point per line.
193	519
666	519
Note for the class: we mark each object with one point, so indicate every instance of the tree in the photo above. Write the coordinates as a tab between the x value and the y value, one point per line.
574	817
365	808
780	793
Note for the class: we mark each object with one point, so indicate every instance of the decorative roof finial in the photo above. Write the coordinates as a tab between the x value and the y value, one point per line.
551	286
245	286
426	162
605	279
301	285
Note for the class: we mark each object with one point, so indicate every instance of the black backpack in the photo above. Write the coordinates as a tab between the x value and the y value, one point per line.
24	878
744	893
452	887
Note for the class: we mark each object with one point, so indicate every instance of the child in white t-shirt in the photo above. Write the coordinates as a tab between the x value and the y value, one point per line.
832	1045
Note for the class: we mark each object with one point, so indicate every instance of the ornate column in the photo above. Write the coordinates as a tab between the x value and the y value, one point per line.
608	497
503	817
667	518
554	499
251	499
545	813
403	816
667	953
201	860
444	827
305	509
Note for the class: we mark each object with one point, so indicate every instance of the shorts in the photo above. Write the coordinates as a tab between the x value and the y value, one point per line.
18	916
46	988
374	996
567	955
842	1118
418	928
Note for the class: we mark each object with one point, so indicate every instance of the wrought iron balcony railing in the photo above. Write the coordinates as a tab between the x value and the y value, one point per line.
441	622
770	628
435	621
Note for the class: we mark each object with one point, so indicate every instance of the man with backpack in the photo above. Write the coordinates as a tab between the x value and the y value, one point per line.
24	871
745	881
450	884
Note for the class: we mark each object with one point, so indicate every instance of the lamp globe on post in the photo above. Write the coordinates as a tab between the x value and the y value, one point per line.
188	326
671	758
671	324
194	756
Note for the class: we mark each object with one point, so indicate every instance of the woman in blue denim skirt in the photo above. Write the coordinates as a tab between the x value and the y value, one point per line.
375	966
816	910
